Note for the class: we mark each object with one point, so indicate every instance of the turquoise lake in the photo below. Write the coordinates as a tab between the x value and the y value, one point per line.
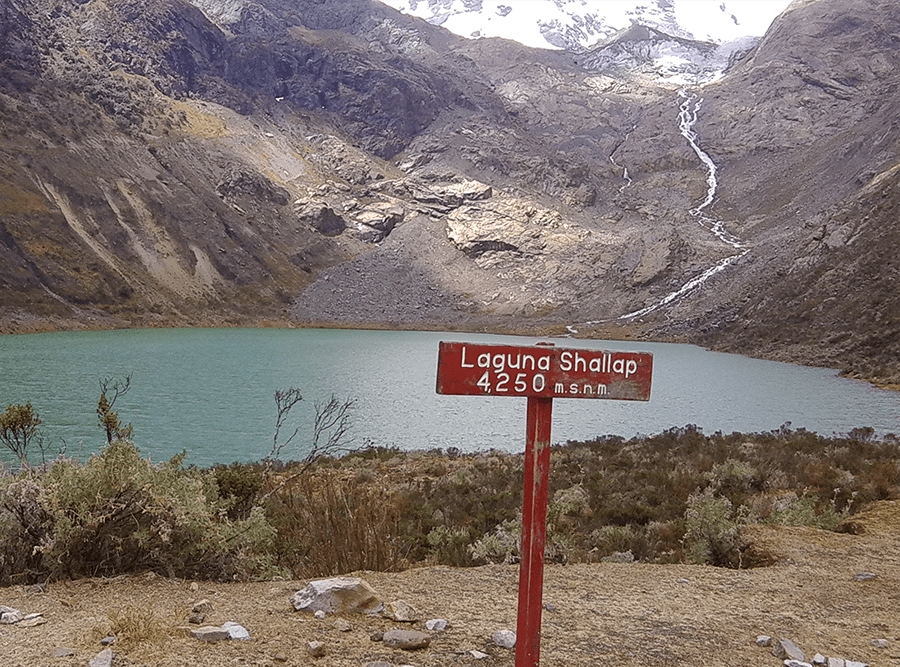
210	391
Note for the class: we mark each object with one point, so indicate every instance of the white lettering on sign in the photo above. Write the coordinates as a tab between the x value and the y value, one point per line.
500	362
570	360
547	371
585	389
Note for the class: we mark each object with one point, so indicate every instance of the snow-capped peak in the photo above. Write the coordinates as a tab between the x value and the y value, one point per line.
578	24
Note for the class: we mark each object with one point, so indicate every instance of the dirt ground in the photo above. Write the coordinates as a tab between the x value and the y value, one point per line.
595	614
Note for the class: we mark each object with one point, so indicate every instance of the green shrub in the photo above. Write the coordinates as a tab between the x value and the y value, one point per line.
712	529
240	488
120	513
809	511
502	545
450	546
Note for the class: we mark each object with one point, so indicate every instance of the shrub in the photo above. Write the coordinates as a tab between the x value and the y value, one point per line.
240	488
19	429
450	546
120	513
809	511
327	524
712	529
502	545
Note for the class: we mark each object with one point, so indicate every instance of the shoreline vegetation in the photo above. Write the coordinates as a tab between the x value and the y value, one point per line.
680	496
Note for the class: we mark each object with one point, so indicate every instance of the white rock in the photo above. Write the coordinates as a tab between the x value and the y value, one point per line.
8	615
337	595
102	659
236	631
436	625
504	638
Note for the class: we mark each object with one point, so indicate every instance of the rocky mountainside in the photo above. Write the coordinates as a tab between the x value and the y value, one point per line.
335	162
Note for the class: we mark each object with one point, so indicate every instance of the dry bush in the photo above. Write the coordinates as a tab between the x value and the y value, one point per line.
330	524
135	628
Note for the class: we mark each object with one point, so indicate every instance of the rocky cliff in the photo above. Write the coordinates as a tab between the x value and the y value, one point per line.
325	162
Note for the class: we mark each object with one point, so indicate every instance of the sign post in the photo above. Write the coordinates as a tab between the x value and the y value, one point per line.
540	373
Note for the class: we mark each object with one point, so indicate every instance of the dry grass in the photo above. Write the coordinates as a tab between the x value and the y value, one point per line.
136	629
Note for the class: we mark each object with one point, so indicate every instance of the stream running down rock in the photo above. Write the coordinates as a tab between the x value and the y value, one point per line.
687	118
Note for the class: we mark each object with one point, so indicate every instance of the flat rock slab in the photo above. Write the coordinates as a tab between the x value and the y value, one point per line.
407	640
210	633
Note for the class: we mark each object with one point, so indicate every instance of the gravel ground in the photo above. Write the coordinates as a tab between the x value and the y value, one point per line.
596	614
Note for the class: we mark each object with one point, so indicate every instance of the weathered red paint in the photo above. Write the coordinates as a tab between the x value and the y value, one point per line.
534	531
508	370
540	373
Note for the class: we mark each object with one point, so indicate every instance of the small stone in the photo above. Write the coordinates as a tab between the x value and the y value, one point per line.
202	607
63	652
786	649
400	611
315	649
851	663
407	640
796	663
342	625
436	625
864	576
32	620
880	643
377	636
102	659
8	615
818	659
195	587
478	655
320	614
281	656
763	640
836	662
210	633
236	631
106	641
504	638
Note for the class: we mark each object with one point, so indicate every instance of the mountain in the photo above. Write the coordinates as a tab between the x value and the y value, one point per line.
678	41
336	162
577	24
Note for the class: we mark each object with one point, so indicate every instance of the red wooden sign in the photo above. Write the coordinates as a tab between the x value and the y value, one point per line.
541	373
544	371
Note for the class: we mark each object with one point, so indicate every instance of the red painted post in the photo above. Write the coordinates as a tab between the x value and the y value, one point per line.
540	373
534	531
